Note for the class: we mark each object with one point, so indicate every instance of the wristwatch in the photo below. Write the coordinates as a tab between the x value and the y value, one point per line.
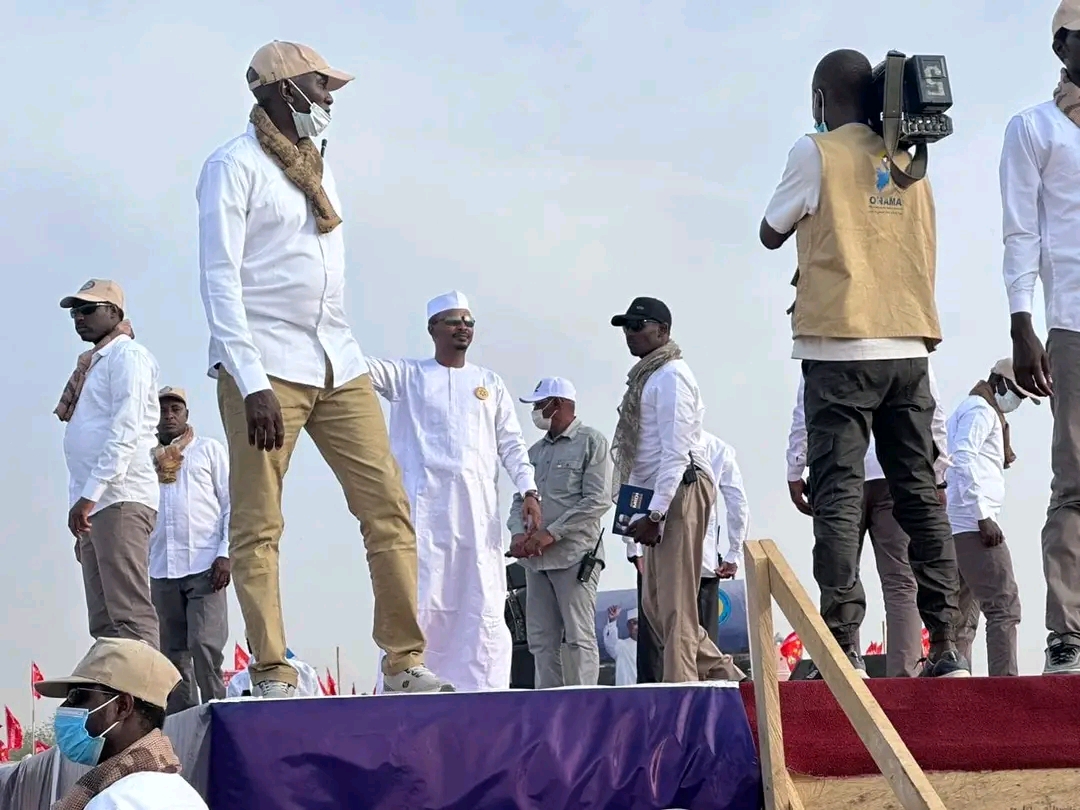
657	517
532	493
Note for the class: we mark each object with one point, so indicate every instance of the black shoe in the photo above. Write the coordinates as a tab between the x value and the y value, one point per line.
1062	656
853	656
949	664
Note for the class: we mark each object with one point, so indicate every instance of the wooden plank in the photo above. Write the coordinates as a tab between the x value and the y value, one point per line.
892	756
780	792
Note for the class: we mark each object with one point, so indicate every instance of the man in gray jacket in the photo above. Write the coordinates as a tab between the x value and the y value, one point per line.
573	475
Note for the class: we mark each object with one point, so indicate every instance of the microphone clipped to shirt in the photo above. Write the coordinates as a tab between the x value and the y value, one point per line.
322	150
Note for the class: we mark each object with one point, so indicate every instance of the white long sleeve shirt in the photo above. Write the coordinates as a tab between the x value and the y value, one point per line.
720	457
976	488
1040	200
796	452
108	441
672	412
148	790
192	527
273	287
624	651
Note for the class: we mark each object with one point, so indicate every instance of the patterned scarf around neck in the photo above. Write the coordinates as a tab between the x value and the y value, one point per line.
152	754
1067	98
624	444
77	380
168	458
302	164
983	389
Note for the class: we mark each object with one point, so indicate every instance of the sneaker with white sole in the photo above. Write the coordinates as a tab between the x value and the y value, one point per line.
947	664
273	690
856	660
1062	656
415	679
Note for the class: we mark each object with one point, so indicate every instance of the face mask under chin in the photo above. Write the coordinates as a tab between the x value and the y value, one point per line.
312	123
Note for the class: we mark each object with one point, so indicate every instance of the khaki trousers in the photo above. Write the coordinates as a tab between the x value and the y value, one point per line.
987	585
670	590
347	427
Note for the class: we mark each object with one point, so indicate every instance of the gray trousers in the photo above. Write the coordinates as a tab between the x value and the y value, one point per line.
1061	534
987	584
194	630
557	606
903	625
114	557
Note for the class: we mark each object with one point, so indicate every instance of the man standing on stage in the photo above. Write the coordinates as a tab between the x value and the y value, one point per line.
1042	239
451	425
272	258
110	406
189	553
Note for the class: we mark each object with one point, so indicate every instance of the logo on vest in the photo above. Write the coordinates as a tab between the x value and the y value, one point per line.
886	199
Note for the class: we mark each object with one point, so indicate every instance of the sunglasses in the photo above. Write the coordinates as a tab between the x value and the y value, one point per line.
459	321
638	325
86	309
81	695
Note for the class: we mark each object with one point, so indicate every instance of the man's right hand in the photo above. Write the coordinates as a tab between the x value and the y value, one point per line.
991	533
613	613
1031	363
797	491
517	546
266	430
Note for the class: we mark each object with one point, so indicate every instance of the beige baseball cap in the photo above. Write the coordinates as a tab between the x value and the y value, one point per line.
1067	17
122	665
96	291
174	393
1004	368
278	61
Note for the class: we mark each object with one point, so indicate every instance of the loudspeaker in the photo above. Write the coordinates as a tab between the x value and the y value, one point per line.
875	668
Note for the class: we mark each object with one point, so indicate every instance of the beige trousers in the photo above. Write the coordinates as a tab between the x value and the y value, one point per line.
347	427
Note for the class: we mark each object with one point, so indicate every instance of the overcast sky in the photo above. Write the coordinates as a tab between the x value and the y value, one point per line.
551	160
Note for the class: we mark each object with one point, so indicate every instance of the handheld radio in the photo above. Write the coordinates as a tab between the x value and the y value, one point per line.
590	561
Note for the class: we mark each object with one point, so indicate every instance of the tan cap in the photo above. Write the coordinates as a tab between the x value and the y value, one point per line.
96	291
1067	17
123	665
174	393
1004	368
287	60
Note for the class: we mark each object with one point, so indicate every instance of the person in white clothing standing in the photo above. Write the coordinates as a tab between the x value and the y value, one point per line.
903	625
189	553
720	456
451	425
623	650
980	451
272	262
110	406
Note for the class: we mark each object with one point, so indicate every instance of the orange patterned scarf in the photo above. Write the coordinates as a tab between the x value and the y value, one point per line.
1067	98
152	754
77	379
168	458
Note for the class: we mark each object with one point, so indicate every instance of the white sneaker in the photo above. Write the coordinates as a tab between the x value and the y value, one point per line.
416	679
273	690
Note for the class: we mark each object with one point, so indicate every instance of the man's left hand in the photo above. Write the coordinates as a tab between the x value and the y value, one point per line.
727	570
530	512
220	574
537	542
79	517
644	531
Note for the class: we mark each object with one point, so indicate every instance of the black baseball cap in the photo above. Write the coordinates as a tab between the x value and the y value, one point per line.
644	309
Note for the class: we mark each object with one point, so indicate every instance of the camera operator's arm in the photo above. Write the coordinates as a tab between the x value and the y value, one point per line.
795	197
1021	188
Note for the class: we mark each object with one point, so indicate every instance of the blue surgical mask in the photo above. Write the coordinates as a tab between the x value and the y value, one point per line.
1009	401
72	738
821	128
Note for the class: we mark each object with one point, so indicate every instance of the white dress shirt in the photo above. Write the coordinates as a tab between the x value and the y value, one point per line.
272	285
977	477
797	197
108	441
192	527
148	790
720	456
796	453
624	651
1040	200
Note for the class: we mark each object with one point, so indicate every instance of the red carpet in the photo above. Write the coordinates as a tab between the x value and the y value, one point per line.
959	724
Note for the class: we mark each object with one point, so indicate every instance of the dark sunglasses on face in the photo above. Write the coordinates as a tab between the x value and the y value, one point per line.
85	309
637	326
457	321
81	695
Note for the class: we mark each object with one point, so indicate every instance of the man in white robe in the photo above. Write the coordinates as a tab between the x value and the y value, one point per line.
451	424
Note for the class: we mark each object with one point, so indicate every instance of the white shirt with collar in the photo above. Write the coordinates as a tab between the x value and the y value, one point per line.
1040	200
797	197
671	415
272	285
148	790
796	453
192	527
976	488
720	456
108	441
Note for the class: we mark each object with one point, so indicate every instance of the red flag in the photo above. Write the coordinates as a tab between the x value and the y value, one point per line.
240	659
40	747
875	648
35	677
331	684
14	730
792	649
227	675
3	753
322	685
925	642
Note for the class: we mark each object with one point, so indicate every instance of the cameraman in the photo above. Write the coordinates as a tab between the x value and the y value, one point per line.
864	321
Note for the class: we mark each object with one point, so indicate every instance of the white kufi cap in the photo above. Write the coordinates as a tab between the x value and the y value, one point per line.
446	301
631	615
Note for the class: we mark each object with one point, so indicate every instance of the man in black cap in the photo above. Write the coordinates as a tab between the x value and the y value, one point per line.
659	426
